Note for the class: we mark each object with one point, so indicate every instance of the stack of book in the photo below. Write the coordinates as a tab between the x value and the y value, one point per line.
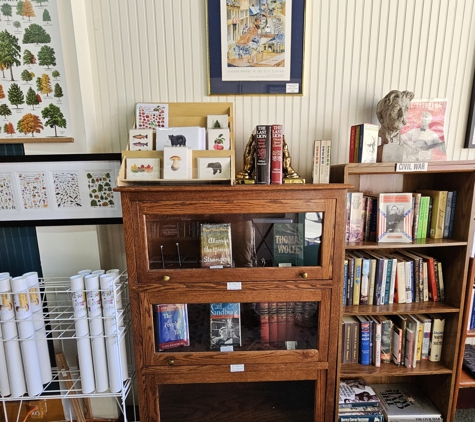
363	143
358	402
400	217
400	339
381	278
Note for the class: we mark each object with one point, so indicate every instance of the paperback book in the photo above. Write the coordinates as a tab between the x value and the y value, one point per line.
356	393
225	329
405	402
216	245
173	328
395	214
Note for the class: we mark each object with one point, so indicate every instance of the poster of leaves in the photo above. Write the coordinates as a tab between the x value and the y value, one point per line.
33	93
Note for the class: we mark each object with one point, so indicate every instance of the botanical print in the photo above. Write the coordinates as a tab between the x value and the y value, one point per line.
33	190
151	116
256	40
100	189
33	91
7	200
66	189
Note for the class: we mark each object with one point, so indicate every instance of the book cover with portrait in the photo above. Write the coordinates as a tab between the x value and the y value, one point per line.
395	215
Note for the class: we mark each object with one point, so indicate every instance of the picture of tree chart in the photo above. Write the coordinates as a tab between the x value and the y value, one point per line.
33	93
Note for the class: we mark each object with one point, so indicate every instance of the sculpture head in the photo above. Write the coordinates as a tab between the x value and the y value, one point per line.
391	112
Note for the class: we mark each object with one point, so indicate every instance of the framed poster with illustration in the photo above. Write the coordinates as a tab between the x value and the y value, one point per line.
255	48
49	190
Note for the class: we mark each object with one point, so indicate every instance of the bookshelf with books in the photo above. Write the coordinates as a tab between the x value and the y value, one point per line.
437	377
261	286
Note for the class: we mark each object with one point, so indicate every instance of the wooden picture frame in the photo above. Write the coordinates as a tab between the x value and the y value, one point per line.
470	133
243	23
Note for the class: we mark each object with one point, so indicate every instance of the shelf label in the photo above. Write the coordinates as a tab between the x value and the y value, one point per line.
235	285
411	166
226	348
237	367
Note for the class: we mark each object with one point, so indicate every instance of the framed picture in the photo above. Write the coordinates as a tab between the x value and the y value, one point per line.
50	190
470	134
255	48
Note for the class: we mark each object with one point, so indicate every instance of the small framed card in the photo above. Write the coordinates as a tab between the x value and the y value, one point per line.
193	137
218	139
211	168
141	139
177	163
151	115
217	121
143	168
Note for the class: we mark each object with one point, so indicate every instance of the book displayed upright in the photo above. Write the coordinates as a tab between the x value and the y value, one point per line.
368	143
172	320
225	325
438	211
395	215
325	160
216	251
317	148
288	244
405	402
436	337
277	151
262	161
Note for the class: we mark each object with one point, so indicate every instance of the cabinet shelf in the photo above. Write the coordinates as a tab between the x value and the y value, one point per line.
389	369
401	308
420	243
466	380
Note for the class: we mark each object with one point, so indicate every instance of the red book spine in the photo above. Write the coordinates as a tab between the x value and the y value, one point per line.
273	321
264	317
352	144
277	141
281	321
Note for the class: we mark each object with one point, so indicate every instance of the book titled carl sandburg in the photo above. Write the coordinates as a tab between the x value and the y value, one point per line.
216	245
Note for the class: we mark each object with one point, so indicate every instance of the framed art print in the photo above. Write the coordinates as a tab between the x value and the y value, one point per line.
255	48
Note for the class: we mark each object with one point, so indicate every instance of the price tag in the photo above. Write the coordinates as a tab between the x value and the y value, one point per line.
235	285
292	88
226	349
237	368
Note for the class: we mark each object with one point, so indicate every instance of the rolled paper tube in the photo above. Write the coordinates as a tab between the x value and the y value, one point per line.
85	272
118	298
4	275
86	366
96	329
4	383
39	326
98	272
26	334
16	377
116	353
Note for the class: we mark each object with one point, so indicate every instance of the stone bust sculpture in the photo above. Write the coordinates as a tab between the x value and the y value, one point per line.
391	112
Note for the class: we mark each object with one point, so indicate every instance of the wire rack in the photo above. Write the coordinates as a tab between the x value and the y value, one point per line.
60	329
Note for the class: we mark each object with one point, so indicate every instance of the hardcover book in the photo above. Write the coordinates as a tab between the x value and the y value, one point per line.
356	229
172	326
277	151
353	325
317	146
438	212
325	161
405	402
436	337
263	151
368	142
216	244
225	320
364	343
395	214
264	321
356	393
288	244
386	333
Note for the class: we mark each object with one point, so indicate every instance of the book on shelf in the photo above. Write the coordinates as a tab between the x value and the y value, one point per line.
429	216
371	277
368	143
364	340
225	324
423	217
290	327
356	220
356	393
325	162
414	324
264	321
277	151
377	331
380	276
437	280
356	150
371	203
395	216
365	278
216	244
400	280
356	278
345	280
416	197
426	322
448	212
386	335
345	342
399	338
281	321
409	348
351	158
353	328
173	328
317	149
439	203
350	278
262	160
441	280
409	275
468	362
362	415
273	330
288	244
452	214
436	337
418	274
405	402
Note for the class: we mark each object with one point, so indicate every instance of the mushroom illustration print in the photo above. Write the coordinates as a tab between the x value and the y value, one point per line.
175	162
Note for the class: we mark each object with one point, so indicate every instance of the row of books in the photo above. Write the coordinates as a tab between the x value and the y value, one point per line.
173	325
269	141
321	161
395	402
363	143
381	278
400	339
400	217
